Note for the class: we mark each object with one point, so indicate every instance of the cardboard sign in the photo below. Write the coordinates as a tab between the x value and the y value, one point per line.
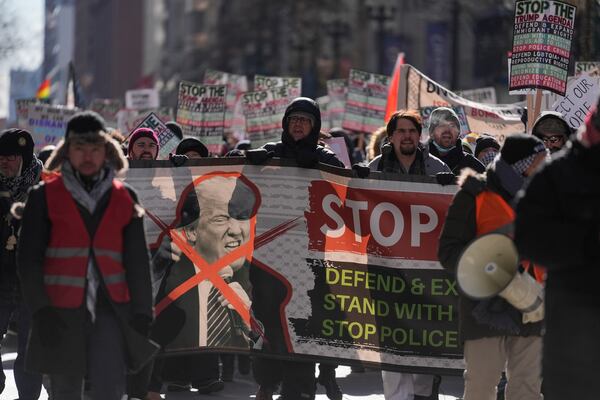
236	85
166	138
337	90
366	101
47	124
201	113
142	99
582	94
350	264
485	95
108	109
264	111
542	35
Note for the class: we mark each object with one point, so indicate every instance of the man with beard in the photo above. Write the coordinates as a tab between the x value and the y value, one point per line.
143	145
19	171
403	153
552	129
444	129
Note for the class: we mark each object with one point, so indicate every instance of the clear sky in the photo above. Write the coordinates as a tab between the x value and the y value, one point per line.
29	16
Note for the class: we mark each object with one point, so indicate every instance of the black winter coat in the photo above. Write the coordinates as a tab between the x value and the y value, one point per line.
69	355
558	226
459	230
9	226
457	159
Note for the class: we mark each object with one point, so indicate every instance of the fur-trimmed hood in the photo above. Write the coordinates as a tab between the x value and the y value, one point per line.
114	155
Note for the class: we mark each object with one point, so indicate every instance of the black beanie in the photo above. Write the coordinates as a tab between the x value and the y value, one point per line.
191	144
520	146
485	142
17	142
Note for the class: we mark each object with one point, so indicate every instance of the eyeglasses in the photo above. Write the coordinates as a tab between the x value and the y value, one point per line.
299	120
12	157
552	139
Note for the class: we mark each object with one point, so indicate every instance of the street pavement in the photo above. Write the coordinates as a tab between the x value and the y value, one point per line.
363	386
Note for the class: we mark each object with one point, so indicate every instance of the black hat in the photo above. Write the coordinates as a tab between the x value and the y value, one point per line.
88	124
520	146
17	142
485	142
192	144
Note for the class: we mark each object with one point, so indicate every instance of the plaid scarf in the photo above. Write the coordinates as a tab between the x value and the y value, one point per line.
17	186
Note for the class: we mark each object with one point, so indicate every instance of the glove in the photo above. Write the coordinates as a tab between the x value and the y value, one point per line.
307	159
51	325
141	324
445	178
361	170
177	159
258	156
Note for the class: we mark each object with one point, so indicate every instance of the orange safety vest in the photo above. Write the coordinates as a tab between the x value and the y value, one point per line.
493	213
70	246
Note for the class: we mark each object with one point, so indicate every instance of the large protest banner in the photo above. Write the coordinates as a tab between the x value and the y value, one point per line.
47	124
201	113
366	101
345	269
337	90
108	109
417	91
264	111
542	35
167	140
236	85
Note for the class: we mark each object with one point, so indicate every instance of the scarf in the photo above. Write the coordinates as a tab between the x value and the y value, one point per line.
17	186
509	178
76	186
488	157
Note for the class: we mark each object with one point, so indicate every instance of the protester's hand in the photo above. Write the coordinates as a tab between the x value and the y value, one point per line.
258	156
177	159
445	178
141	324
241	293
307	159
362	171
51	326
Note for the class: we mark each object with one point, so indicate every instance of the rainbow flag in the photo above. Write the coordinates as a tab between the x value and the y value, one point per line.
43	91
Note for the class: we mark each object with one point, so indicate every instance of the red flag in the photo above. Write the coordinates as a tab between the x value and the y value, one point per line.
392	100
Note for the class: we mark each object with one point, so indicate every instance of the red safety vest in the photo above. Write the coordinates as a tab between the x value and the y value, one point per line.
70	246
492	212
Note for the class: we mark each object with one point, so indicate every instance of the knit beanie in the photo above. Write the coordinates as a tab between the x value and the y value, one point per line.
192	144
15	142
442	114
485	142
519	151
140	133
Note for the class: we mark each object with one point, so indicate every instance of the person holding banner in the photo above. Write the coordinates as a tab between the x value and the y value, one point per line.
143	145
19	171
444	129
551	128
493	332
299	141
84	268
558	225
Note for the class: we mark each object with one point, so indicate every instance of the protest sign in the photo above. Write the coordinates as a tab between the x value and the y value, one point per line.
47	124
581	95
417	91
22	107
338	146
350	264
366	101
142	99
236	85
337	90
264	111
166	138
485	95
201	113
542	35
108	109
294	85
128	120
586	66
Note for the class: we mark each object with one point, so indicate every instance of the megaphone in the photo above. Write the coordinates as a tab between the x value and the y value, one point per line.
489	266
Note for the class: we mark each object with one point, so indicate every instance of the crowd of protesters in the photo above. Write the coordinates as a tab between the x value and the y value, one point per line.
77	277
